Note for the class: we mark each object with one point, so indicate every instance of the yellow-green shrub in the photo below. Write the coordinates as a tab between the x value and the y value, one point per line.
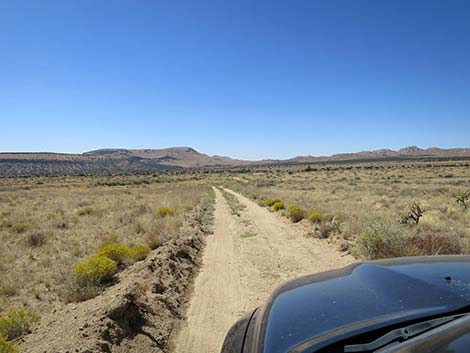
95	270
115	251
7	347
164	212
16	323
316	216
188	208
279	206
295	213
140	252
270	202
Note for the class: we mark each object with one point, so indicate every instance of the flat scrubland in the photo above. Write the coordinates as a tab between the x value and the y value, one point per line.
372	210
49	225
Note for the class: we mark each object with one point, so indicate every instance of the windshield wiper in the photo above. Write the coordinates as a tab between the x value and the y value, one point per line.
401	334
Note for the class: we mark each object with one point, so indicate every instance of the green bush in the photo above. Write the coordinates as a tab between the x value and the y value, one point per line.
279	206
154	241
270	202
115	251
16	323
140	252
295	213
164	212
316	216
95	270
188	208
7	347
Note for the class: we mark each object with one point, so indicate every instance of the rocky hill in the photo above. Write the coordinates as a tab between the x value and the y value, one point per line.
112	161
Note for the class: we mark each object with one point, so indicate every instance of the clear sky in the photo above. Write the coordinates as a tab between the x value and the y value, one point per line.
245	78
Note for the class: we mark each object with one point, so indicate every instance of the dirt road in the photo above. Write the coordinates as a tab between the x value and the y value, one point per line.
244	260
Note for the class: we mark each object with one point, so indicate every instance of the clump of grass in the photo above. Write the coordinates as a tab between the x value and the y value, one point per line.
295	213
6	346
163	212
271	202
188	208
95	270
90	211
278	206
316	216
19	227
154	241
36	239
140	252
16	323
381	240
248	235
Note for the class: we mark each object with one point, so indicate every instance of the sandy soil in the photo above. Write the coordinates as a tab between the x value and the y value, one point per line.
244	260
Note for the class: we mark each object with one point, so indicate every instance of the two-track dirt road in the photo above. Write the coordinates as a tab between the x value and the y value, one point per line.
244	260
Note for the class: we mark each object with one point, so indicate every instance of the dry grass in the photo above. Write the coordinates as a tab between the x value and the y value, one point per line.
48	225
343	200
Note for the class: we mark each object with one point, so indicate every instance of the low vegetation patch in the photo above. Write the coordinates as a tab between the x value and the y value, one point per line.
16	323
90	211
316	216
271	202
235	206
119	253
6	346
248	234
95	270
278	206
295	213
140	252
163	212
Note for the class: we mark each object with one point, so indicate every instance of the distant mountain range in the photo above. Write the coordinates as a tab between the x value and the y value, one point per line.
110	161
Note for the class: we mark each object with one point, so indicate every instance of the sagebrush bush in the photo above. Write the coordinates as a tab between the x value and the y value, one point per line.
115	251
164	212
381	239
316	216
16	323
270	202
140	252
279	206
295	213
36	239
95	270
6	346
432	244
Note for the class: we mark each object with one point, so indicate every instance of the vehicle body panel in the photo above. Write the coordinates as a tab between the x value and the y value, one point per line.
312	312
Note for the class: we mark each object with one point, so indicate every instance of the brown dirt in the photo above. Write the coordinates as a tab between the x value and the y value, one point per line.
244	260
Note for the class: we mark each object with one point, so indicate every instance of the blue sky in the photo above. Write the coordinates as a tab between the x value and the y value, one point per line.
249	79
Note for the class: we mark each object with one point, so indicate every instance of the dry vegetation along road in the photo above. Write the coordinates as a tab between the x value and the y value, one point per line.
244	260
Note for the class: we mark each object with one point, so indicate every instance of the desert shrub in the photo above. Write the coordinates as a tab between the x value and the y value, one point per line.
19	227
154	241
36	239
381	239
7	347
95	270
115	251
140	252
432	244
316	216
279	206
164	212
271	202
16	323
462	197
295	213
414	214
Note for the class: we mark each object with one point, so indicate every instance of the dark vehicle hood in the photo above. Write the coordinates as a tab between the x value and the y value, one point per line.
315	311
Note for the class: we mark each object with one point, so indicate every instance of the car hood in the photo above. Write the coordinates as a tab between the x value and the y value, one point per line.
314	311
